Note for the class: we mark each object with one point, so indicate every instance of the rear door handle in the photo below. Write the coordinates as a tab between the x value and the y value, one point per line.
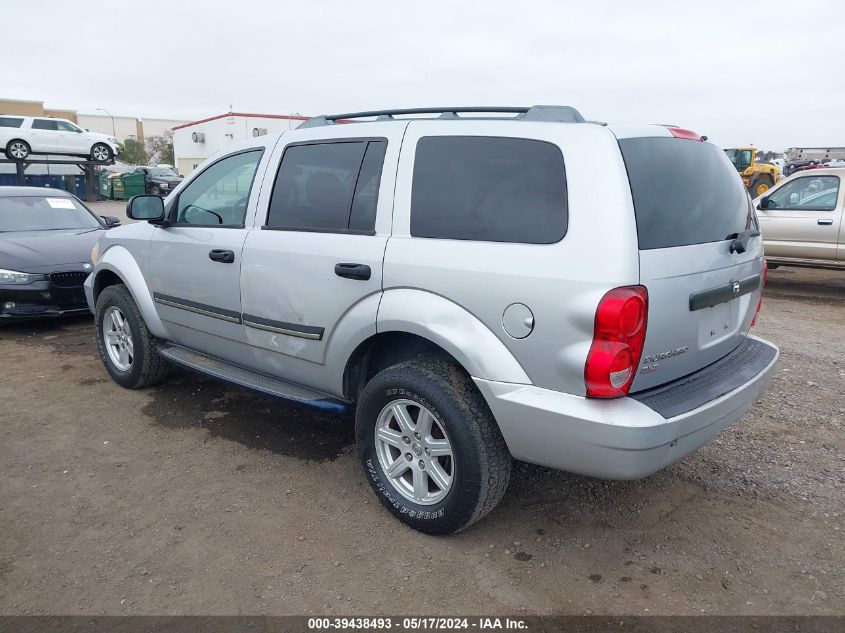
825	221
353	271
220	255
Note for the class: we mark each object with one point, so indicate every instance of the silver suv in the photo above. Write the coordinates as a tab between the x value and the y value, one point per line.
512	283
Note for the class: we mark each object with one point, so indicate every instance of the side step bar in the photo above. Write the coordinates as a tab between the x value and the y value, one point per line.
254	381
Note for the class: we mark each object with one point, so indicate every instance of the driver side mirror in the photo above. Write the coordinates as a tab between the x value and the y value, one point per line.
110	221
145	207
764	203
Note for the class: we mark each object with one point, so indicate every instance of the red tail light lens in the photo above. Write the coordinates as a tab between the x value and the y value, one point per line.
618	337
762	286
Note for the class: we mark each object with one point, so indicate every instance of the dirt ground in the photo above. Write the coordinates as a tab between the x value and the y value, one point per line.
196	498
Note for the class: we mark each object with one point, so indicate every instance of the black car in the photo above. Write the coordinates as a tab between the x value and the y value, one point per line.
46	237
159	181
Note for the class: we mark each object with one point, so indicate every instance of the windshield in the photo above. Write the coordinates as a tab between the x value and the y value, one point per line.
43	213
162	172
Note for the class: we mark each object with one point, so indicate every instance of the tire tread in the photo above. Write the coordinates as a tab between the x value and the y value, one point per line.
154	367
495	461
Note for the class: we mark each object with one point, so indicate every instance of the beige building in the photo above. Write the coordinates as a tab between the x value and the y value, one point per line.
195	141
121	127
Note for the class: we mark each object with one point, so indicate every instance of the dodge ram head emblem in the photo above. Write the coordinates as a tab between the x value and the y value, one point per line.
735	289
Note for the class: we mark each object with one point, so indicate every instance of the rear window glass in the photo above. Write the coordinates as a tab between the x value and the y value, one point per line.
488	189
44	124
10	121
315	185
685	192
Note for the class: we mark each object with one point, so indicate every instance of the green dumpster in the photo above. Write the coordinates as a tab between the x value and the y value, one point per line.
117	187
133	184
106	185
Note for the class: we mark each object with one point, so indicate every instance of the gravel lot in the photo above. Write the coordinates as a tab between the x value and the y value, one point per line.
196	498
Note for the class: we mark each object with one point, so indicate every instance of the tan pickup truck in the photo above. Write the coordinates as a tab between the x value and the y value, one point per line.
801	220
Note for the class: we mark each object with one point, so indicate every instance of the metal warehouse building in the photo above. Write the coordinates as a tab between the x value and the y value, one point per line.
195	141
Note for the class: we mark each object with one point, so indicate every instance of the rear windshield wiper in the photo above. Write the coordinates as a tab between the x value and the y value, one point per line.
740	240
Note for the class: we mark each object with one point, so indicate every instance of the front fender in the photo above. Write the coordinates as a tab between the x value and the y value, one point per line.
454	329
120	261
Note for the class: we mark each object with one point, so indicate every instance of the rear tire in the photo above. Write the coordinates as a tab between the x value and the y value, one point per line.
476	470
102	153
126	347
19	150
760	186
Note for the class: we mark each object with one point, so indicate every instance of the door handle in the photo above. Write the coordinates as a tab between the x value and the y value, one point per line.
220	255
825	221
353	271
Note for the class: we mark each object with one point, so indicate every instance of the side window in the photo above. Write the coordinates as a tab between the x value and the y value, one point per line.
331	186
489	189
219	195
8	121
808	193
44	124
64	126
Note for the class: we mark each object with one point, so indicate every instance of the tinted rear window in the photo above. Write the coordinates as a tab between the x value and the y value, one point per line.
488	189
324	187
10	121
44	124
685	192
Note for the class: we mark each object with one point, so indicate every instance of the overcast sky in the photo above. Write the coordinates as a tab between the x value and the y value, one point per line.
769	73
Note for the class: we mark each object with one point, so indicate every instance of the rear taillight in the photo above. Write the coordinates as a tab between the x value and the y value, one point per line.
618	337
762	286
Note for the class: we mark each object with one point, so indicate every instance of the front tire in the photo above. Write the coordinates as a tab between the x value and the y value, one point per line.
760	186
126	347
102	153
17	149
430	447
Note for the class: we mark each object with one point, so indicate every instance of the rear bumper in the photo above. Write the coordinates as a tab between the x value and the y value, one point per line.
614	439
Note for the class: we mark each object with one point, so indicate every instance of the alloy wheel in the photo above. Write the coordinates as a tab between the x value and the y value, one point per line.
118	339
18	150
414	452
100	153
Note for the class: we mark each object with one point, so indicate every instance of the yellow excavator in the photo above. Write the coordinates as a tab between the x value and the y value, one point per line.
757	176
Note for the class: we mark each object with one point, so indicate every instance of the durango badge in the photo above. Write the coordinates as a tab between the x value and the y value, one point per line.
653	358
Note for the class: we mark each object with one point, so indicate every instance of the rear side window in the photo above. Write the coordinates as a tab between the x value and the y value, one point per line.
9	121
330	186
489	189
685	192
44	124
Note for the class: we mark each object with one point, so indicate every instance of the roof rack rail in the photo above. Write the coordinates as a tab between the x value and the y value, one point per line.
552	113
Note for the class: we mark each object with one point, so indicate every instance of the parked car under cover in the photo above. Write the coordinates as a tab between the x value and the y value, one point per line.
46	237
